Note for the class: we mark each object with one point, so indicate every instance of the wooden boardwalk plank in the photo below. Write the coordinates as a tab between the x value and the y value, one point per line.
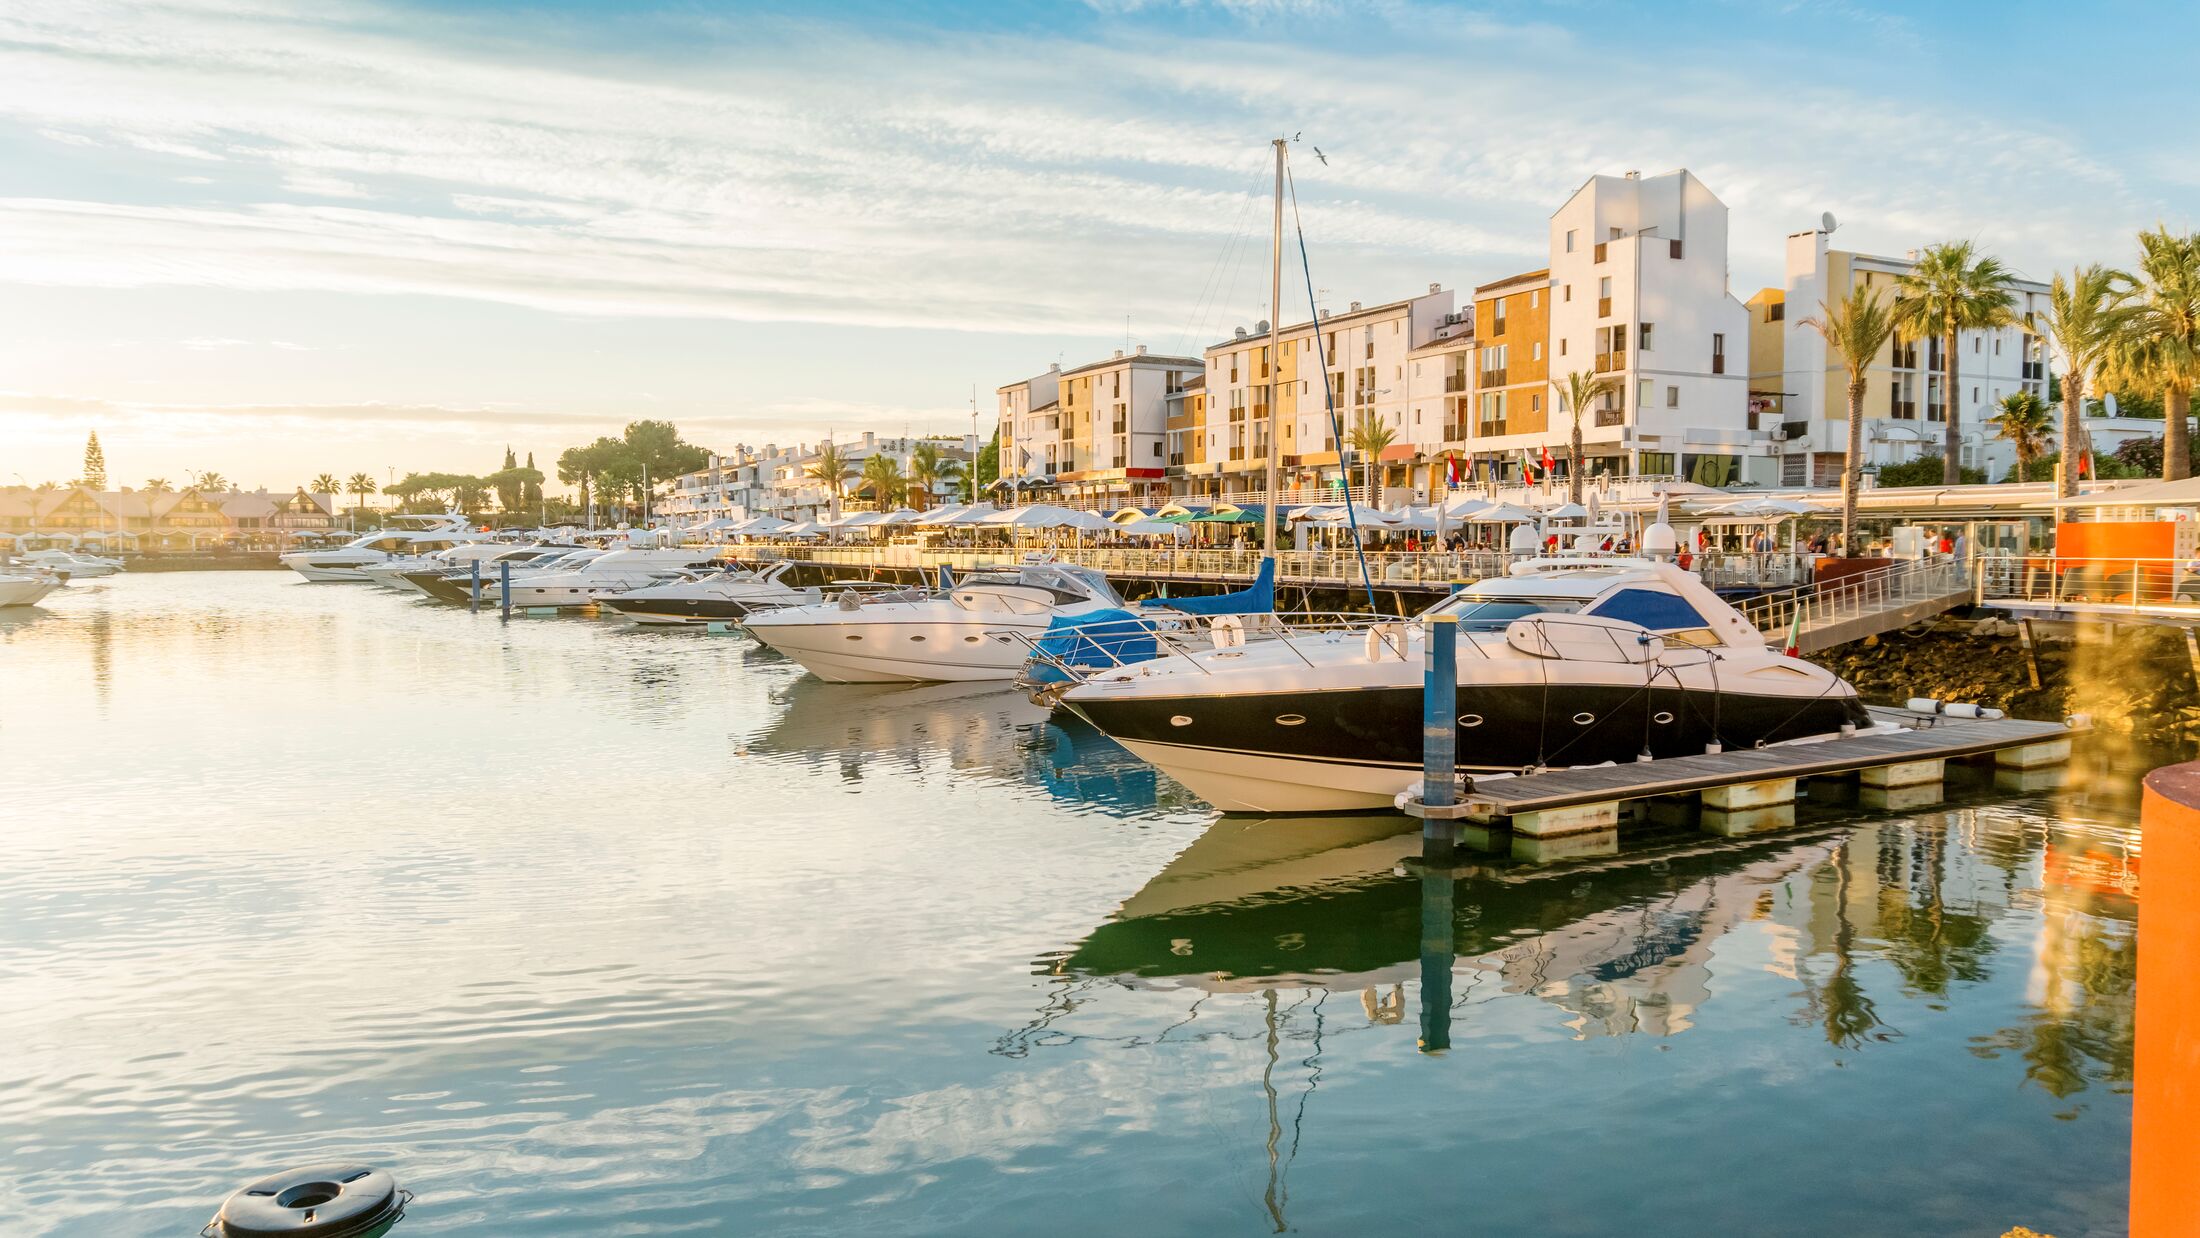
1567	788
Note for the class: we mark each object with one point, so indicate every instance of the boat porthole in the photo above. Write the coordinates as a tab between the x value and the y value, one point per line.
1290	719
916	638
973	639
1180	720
1661	717
1584	719
855	638
1470	720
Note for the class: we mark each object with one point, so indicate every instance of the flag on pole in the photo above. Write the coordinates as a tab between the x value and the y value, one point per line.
1795	635
2085	465
1547	462
1527	465
1451	472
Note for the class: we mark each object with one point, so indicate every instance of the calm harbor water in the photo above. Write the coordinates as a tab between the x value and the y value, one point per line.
584	929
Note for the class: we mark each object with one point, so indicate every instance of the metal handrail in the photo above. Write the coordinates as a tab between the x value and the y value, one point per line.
2092	580
1851	597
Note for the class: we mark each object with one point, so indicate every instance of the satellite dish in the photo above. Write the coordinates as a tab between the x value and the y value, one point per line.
1827	223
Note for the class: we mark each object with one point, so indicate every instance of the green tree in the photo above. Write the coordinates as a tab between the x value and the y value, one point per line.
2029	426
507	482
2084	321
831	468
928	467
1856	327
1927	471
661	454
360	486
326	483
2157	344
1952	289
158	485
882	476
95	463
210	483
1370	437
1581	389
984	471
531	496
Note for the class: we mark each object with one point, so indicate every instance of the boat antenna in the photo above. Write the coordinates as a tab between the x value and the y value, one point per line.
1329	404
1275	364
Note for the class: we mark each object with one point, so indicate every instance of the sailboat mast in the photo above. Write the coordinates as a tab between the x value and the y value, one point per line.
1275	362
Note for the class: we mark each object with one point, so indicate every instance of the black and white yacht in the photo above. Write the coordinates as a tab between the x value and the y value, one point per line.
1566	661
731	593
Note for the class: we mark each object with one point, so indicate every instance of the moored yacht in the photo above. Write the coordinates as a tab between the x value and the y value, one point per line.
979	628
72	565
614	571
728	594
453	579
343	563
1562	662
26	588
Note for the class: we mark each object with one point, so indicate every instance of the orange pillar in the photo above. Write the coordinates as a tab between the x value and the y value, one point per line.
2165	1123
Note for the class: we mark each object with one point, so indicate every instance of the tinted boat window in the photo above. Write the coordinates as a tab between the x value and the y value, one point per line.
1655	610
1492	613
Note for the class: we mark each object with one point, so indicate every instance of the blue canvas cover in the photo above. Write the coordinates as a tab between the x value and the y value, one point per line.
1091	642
1260	599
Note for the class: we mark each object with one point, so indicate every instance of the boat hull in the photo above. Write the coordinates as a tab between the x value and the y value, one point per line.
18	591
683	610
904	652
1334	751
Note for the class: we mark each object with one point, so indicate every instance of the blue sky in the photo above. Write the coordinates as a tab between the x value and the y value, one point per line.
275	237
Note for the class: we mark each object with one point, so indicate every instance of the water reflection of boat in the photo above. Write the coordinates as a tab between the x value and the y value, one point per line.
985	729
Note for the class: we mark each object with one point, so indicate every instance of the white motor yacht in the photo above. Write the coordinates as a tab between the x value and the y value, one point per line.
614	571
979	628
1569	661
26	588
71	565
729	594
453	580
343	563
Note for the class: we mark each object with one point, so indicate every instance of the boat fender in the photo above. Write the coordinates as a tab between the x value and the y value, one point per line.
1228	632
1922	705
1386	640
324	1201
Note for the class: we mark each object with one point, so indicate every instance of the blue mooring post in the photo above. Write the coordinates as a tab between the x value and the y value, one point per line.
504	587
1440	729
475	604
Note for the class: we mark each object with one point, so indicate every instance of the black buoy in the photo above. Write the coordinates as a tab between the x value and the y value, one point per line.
325	1201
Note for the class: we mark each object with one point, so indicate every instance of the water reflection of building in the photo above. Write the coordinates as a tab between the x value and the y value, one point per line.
978	729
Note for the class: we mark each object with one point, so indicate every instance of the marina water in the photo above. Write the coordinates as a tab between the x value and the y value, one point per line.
583	929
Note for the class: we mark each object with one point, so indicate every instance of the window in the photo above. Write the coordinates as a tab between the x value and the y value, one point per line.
1672	397
1604	288
1157	455
1718	352
1535	403
1562	346
1566	293
1497	317
1535	298
1642	398
1536	351
1997	345
1644	345
1776	311
1978	343
1569	240
1654	609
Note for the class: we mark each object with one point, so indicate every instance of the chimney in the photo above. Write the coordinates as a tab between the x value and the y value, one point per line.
1634	176
1326	313
1913	255
1435	287
1355	307
1054	367
869	437
1141	350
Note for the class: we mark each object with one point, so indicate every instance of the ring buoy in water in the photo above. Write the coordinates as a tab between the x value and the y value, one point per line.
324	1201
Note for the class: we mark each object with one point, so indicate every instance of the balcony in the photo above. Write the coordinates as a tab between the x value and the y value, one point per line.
1455	431
1493	378
1606	363
1718	363
1120	425
1611	416
1936	412
1454	383
2035	370
1600	252
1490	429
1902	410
1604	304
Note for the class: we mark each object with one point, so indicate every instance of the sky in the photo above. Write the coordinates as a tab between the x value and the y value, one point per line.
274	238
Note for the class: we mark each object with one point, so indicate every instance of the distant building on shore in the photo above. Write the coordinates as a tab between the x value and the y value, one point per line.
186	519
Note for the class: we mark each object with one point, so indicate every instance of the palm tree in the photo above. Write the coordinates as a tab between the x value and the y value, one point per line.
1857	327
2083	322
2029	425
210	483
1583	388
157	485
927	469
1952	289
362	486
326	483
833	468
1370	437
882	473
2158	347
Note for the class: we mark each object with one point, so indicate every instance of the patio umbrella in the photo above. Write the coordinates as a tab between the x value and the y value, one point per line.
1505	513
1156	528
1567	511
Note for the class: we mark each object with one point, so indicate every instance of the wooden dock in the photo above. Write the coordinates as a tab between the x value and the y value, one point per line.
1578	812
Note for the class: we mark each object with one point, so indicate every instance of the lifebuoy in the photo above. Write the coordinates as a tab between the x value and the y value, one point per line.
325	1201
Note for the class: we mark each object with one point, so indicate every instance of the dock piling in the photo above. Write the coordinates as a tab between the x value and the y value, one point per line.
504	588
474	600
1440	733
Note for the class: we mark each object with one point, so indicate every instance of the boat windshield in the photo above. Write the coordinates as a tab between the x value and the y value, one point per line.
1481	613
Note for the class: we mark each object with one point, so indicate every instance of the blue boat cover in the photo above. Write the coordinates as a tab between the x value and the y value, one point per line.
1095	641
1258	600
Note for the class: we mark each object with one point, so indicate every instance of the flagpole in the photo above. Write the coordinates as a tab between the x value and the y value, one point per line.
1275	365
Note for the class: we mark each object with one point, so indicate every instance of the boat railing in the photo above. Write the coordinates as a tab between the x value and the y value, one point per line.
1177	635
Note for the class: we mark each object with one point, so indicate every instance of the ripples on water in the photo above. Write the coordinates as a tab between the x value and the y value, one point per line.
589	929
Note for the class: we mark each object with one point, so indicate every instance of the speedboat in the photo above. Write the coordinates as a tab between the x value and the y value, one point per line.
400	573
71	565
344	562
453	580
728	594
25	589
978	628
1562	662
614	571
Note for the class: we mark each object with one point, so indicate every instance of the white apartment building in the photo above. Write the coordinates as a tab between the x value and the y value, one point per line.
776	481
1031	427
1639	290
1801	386
1111	443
